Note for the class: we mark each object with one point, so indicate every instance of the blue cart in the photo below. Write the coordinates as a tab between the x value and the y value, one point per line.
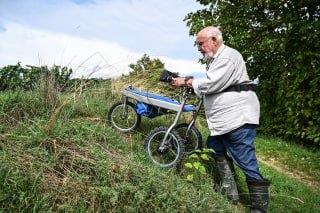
166	146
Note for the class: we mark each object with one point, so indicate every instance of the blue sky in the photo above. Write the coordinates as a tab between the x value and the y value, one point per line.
100	35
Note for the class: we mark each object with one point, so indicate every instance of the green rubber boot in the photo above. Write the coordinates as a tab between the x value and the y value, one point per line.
259	195
228	184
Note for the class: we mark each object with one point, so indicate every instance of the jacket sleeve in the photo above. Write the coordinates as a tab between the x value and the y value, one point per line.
219	77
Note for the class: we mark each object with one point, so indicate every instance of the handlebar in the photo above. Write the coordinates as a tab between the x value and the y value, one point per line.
168	76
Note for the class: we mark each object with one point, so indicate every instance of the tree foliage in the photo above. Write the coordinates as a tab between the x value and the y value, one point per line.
16	77
280	42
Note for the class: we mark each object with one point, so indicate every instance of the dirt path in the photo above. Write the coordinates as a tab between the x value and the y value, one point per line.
306	179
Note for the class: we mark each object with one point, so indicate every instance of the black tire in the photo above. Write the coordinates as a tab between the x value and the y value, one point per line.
171	154
124	122
193	140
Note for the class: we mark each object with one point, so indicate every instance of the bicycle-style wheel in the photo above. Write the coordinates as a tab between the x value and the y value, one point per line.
124	118
167	154
193	140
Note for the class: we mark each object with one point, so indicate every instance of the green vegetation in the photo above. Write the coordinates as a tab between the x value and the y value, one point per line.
287	194
16	77
291	155
58	152
280	42
82	164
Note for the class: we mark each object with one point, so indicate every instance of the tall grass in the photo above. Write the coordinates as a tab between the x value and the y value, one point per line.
82	164
20	106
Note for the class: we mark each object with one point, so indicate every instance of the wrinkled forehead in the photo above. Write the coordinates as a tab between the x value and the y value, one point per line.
202	35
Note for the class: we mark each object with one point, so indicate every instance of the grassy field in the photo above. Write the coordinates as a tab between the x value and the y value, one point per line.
70	159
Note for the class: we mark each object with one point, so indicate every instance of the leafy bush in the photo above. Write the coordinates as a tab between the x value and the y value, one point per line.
15	77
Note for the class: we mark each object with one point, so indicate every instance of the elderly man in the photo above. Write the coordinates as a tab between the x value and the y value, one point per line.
232	110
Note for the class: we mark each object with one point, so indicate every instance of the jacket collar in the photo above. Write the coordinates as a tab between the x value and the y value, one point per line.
219	51
221	48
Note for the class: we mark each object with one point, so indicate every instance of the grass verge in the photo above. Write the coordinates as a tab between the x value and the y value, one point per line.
293	159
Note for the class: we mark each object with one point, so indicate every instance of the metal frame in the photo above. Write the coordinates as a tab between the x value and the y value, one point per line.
152	101
186	92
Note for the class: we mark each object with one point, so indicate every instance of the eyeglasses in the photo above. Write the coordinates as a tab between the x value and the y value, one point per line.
199	44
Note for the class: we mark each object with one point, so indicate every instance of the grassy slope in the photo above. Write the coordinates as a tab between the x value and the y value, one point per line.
84	165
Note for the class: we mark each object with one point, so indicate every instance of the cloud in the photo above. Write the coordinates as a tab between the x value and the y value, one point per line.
97	38
87	57
2	28
82	1
151	26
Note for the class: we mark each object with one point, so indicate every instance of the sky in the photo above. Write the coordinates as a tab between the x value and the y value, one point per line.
98	38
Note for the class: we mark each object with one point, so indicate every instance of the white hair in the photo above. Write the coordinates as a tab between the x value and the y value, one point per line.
215	32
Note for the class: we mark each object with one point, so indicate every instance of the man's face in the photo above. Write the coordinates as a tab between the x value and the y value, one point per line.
208	46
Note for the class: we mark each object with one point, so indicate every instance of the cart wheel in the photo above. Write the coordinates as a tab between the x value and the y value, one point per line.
124	119
171	153
193	140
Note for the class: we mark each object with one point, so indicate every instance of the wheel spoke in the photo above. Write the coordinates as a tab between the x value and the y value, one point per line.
124	119
170	154
193	139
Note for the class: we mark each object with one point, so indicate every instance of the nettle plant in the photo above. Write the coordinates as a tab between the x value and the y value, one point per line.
196	164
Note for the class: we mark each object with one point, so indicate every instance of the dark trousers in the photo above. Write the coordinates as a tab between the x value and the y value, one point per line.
239	146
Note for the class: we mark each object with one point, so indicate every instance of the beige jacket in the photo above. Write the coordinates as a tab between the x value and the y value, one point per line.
226	111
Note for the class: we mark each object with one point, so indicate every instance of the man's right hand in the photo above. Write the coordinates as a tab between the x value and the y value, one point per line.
178	82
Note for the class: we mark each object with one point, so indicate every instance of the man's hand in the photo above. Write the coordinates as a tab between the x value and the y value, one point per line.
180	81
